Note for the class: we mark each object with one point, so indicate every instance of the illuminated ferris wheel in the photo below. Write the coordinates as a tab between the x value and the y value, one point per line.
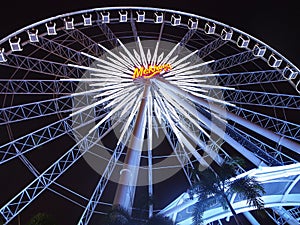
112	106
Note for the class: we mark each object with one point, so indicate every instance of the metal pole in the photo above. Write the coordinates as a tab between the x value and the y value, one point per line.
128	175
251	218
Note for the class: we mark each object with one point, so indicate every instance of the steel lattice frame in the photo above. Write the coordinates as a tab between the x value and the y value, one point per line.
228	83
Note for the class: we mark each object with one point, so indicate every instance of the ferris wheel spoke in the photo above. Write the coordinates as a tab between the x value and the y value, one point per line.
142	53
181	106
122	103
181	155
111	37
114	66
133	26
251	144
279	126
35	109
99	189
130	118
228	62
271	155
214	127
100	72
184	142
44	135
188	69
182	109
188	35
89	44
246	78
62	51
42	182
33	87
199	87
35	172
210	47
41	66
117	93
122	61
167	57
264	99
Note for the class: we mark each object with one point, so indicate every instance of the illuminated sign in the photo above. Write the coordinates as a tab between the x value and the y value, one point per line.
151	71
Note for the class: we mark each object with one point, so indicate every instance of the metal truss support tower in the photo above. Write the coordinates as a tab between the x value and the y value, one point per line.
128	175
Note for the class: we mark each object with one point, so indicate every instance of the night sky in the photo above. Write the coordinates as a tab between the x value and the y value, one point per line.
274	22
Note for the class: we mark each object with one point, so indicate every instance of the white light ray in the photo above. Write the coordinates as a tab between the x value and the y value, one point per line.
113	86
135	62
112	112
105	73
128	107
192	150
111	69
173	59
184	58
169	55
122	92
169	96
172	111
117	65
155	125
128	65
127	59
113	54
87	79
187	88
157	111
209	98
120	98
160	57
107	93
171	122
184	65
130	118
142	53
153	61
208	86
188	80
137	56
173	72
184	75
179	100
148	56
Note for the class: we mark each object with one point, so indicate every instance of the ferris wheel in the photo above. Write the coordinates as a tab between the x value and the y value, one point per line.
117	105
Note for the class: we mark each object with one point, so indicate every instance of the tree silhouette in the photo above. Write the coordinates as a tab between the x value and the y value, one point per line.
42	219
215	187
159	220
118	216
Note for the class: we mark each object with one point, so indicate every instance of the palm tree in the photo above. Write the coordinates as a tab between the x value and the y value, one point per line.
42	219
215	186
118	216
159	220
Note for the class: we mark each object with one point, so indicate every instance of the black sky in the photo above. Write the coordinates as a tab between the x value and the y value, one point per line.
274	22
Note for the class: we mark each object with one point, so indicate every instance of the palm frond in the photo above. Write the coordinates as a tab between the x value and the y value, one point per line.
198	213
250	189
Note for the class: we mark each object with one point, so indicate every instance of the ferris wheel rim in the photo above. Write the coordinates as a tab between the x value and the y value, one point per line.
150	9
117	8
